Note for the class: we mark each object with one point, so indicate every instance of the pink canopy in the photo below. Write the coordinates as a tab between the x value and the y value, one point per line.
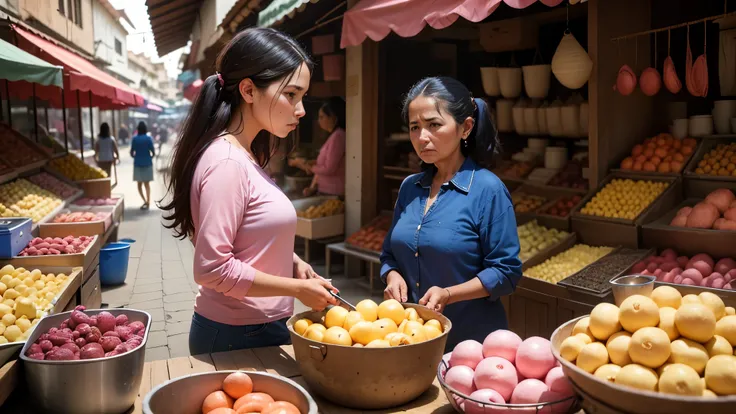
376	18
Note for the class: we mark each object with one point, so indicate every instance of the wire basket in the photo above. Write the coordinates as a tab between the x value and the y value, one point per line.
458	400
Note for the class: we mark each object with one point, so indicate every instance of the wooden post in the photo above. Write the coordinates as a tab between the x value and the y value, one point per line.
66	127
35	111
616	123
79	124
91	123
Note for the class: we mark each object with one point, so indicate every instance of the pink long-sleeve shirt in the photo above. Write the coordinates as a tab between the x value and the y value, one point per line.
330	166
243	222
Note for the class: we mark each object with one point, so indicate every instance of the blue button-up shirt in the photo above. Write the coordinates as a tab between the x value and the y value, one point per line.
469	231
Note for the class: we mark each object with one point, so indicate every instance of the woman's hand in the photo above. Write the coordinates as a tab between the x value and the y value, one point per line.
303	270
436	298
314	294
396	287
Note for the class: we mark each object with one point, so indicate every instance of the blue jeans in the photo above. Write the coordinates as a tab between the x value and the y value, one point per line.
207	336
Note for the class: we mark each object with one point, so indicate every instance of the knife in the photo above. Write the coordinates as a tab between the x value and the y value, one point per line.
342	301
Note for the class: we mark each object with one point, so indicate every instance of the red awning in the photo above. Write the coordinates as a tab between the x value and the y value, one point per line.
24	90
82	74
154	107
377	18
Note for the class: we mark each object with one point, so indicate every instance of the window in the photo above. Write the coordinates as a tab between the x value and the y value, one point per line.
78	12
72	11
118	47
61	7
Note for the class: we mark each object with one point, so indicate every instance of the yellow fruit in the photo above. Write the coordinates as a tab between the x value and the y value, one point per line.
25	306
357	345
607	372
730	310
695	321
6	270
709	394
691	353
13	282
8	319
582	327
5	309
368	308
714	303
435	323
718	345
12	333
21	289
2	328
391	309
399	339
11	294
726	327
690	299
584	337
618	348
649	347
351	319
638	312
667	322
604	321
378	343
23	324
315	332
411	314
2	288
431	332
571	347
335	317
416	333
667	296
592	357
364	332
337	335
385	326
681	379
3	340
720	374
6	278
637	376
301	326
410	325
28	282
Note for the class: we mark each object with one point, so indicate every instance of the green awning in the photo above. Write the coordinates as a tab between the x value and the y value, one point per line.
278	9
17	64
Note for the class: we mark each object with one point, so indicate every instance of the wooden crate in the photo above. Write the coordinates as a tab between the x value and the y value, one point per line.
96	188
705	146
694	187
557	221
91	291
659	234
89	228
85	259
318	228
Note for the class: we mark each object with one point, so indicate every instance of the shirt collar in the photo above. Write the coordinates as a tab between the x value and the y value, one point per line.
462	180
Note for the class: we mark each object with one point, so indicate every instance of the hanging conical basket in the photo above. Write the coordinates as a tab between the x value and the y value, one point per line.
571	64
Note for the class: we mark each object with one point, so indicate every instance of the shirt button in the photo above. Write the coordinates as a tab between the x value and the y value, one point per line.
419	227
417	284
416	254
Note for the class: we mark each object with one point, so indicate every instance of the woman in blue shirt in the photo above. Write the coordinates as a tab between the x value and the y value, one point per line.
453	244
142	150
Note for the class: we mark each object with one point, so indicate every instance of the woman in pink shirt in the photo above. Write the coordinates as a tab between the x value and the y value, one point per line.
241	224
329	169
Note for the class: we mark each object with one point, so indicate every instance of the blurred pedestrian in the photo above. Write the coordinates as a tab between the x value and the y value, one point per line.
123	134
106	149
143	151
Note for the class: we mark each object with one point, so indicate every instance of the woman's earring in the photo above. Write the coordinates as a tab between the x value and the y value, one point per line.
465	143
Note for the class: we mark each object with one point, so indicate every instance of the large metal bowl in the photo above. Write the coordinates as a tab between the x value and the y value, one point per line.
369	378
90	386
184	395
631	400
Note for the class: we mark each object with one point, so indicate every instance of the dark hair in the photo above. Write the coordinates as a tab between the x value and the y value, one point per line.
104	130
142	128
335	106
262	55
456	99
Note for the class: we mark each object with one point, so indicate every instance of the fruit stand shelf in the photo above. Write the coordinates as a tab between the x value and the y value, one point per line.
275	360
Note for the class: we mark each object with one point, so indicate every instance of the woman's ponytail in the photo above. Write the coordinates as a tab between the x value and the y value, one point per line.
483	142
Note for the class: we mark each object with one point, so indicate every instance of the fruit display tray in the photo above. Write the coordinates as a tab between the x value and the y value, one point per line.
558	285
689	241
705	146
86	228
96	188
318	228
87	259
700	188
595	277
655	174
557	222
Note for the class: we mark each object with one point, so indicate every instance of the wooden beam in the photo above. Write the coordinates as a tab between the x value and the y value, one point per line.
187	12
169	6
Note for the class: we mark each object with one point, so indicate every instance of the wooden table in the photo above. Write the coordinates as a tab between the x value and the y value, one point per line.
275	360
372	259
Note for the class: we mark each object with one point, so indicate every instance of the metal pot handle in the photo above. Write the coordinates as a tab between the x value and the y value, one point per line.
318	352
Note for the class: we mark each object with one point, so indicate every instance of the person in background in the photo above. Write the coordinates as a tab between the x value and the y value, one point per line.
123	134
106	149
241	224
453	244
329	169
143	151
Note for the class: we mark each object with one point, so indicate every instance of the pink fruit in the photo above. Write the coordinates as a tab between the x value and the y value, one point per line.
718	283
485	396
704	257
652	267
497	374
728	286
659	273
677	279
668	278
731	275
667	266
725	265
639	267
528	391
557	382
534	357
468	353
701	266
669	254
501	343
693	274
688	282
460	378
682	261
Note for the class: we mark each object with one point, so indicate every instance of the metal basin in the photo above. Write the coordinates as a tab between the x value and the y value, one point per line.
618	398
625	286
184	395
369	378
90	386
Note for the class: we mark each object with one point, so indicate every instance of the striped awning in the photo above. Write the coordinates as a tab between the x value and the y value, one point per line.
281	9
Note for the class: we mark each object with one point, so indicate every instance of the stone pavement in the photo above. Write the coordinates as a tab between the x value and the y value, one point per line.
159	279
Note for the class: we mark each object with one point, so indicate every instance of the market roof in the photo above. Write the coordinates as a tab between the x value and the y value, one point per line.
279	9
240	11
172	22
377	18
17	64
83	75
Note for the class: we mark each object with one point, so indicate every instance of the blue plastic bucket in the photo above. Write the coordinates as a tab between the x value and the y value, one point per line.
114	262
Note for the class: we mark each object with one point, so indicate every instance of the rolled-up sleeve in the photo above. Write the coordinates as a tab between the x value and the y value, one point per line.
500	244
224	195
331	155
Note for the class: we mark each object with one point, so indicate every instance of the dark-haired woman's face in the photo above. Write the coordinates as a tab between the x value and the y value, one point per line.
434	133
278	107
326	122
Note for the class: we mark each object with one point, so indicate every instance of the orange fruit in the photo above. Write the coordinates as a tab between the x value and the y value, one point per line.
223	410
217	399
649	152
301	326
352	318
655	160
391	309
368	308
664	167
253	402
637	150
364	332
336	316
237	384
385	326
648	166
337	335
627	163
280	407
